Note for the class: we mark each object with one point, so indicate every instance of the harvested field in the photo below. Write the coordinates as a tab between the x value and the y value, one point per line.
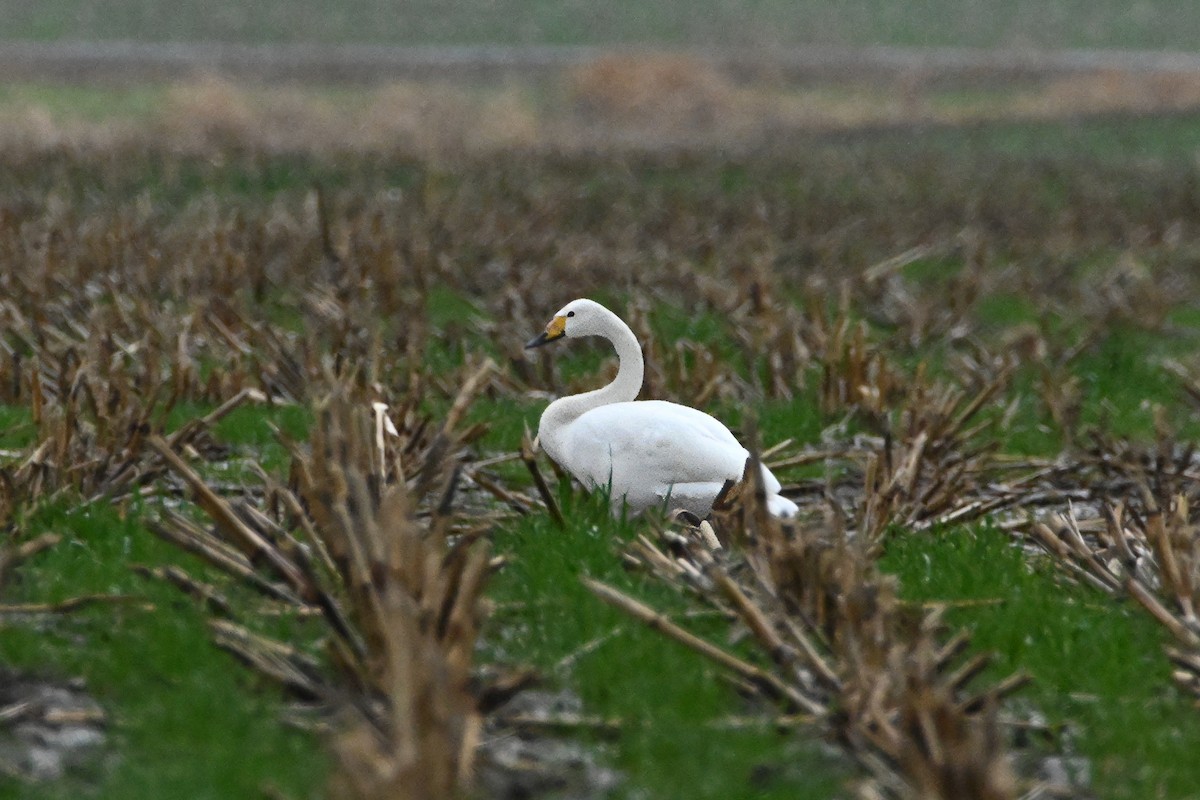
275	523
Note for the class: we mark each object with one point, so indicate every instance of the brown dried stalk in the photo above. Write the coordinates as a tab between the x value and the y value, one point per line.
402	604
1153	556
871	670
13	555
927	471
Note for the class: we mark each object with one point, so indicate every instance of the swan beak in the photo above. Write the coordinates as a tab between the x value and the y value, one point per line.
556	329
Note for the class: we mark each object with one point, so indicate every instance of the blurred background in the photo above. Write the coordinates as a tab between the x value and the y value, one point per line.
478	74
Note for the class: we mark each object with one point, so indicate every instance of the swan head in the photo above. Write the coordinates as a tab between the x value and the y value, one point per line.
576	318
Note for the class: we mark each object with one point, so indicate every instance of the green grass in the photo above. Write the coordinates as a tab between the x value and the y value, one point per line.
1119	138
447	308
248	429
999	312
506	418
666	697
1098	664
62	101
1124	383
16	427
1121	387
175	184
185	720
251	425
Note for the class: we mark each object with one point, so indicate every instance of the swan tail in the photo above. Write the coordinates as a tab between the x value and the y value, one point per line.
780	506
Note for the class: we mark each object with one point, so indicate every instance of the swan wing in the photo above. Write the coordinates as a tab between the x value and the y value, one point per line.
645	449
715	431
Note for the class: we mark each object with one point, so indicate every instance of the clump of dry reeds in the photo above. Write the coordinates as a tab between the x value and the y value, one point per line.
93	399
880	677
415	600
931	454
398	581
1144	544
928	471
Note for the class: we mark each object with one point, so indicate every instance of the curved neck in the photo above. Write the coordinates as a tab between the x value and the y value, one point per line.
625	386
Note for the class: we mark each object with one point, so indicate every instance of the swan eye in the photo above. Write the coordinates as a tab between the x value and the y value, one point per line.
570	313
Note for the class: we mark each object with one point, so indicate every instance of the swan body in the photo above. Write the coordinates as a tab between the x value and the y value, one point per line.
648	453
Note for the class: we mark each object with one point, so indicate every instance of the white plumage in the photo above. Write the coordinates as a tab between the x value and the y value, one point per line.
651	453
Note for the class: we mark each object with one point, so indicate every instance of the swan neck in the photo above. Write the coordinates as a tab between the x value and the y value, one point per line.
624	388
631	366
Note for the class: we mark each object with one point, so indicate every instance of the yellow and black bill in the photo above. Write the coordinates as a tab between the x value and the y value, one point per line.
556	329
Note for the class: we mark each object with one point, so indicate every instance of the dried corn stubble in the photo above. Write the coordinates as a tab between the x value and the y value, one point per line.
880	678
1122	520
93	398
932	471
401	601
519	222
1142	548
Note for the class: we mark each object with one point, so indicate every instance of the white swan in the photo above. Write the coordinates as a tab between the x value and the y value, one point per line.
649	452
